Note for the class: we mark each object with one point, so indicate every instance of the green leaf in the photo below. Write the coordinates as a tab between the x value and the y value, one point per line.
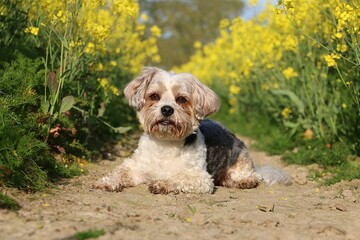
295	99
45	106
293	126
67	103
121	129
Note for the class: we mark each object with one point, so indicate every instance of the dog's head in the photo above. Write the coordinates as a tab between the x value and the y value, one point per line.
170	106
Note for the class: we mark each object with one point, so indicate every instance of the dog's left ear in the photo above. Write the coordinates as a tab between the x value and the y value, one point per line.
206	101
135	90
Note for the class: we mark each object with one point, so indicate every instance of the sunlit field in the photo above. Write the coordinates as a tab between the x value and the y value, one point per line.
288	77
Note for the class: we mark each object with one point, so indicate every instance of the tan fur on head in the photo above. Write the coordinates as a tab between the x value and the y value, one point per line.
135	90
189	99
206	100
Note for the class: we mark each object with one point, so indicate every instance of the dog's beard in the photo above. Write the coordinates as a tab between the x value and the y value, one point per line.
174	128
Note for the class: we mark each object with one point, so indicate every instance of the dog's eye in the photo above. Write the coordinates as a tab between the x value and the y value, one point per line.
181	100
154	97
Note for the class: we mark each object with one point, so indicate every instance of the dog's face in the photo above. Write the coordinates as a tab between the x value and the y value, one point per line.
170	106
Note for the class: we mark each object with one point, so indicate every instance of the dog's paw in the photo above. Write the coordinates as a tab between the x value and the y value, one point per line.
159	187
247	183
108	185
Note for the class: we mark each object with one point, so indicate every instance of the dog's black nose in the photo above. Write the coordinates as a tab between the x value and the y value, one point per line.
167	111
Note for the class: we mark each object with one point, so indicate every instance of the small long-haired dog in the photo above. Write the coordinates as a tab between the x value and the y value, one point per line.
180	151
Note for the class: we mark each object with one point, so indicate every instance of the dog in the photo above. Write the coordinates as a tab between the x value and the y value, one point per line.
180	150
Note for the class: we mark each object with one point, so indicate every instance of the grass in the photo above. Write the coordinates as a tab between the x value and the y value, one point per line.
269	137
93	233
336	159
8	203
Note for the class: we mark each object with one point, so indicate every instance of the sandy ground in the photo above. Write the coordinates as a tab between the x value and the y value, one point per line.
303	210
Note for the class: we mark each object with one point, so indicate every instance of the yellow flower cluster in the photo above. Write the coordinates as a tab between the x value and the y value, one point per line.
106	32
285	113
104	83
330	59
347	17
295	40
289	73
32	30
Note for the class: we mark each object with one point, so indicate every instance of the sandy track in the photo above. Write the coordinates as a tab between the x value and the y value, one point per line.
303	210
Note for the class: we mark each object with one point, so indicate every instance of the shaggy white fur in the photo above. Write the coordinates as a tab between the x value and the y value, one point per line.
183	168
179	150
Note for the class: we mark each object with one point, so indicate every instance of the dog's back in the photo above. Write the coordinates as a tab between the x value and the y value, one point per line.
223	148
225	151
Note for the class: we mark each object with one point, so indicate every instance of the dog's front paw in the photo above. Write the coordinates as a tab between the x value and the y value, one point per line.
119	179
159	187
109	185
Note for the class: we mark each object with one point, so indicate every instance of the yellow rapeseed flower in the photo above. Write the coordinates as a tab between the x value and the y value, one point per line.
140	27
115	90
278	10
60	16
224	23
113	63
234	89
155	31
33	30
233	75
232	101
100	67
72	44
197	45
285	113
342	47
104	82
338	35
330	59
90	47
289	73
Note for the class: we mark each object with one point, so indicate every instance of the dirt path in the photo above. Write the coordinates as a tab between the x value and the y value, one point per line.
300	211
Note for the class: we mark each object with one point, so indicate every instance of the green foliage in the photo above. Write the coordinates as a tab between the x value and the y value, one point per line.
13	21
348	171
26	161
335	158
89	234
64	106
315	151
270	137
8	203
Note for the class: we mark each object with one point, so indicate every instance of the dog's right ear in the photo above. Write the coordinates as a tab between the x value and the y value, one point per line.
135	90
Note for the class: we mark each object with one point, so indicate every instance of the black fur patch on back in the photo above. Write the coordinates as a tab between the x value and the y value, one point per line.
223	147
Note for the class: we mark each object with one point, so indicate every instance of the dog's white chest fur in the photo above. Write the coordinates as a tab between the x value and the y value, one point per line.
155	159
